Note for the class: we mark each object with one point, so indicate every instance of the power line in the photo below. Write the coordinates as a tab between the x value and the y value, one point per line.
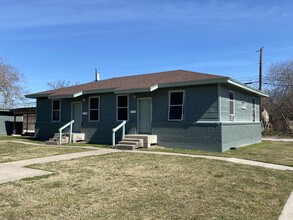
235	67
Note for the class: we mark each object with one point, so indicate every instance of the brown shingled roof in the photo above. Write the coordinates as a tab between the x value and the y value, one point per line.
131	82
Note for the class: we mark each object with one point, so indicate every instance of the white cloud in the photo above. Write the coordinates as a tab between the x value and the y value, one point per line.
42	13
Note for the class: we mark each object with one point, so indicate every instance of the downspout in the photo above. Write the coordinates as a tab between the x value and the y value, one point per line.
220	118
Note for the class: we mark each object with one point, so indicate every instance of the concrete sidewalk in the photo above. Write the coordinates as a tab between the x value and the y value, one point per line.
12	171
228	159
287	212
277	139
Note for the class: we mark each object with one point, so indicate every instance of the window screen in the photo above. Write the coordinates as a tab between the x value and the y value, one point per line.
176	106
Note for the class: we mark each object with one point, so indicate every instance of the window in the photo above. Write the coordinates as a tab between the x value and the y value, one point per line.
176	101
231	106
122	107
243	105
231	103
56	110
253	109
94	108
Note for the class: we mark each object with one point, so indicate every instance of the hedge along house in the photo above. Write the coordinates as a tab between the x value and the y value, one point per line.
183	108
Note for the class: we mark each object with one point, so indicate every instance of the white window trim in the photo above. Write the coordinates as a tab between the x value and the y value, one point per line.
231	116
89	115
183	102
56	110
122	107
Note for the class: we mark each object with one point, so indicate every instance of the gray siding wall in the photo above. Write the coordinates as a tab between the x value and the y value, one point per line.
200	104
45	127
46	130
44	107
96	132
202	136
241	115
240	134
101	131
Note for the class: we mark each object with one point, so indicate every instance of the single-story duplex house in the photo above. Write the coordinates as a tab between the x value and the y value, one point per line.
183	108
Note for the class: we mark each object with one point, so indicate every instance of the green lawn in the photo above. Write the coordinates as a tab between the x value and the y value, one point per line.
82	144
139	186
20	138
10	151
267	151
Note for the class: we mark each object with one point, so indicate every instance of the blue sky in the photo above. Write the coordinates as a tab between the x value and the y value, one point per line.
47	40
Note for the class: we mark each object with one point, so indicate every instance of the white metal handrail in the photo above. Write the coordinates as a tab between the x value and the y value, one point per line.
70	131
116	129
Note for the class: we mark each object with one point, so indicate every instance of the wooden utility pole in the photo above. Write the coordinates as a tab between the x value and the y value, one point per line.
260	81
260	68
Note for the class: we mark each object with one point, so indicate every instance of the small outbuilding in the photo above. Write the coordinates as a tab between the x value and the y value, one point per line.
17	121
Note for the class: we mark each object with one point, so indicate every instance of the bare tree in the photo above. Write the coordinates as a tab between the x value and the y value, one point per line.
279	84
11	90
60	84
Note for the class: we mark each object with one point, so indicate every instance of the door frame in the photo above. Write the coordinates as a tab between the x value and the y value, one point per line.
151	112
72	104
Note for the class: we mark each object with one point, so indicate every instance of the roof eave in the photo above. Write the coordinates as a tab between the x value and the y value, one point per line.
224	80
240	85
87	92
137	90
34	96
214	81
194	82
61	96
74	95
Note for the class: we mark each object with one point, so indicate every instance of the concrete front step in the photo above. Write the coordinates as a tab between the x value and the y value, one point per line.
125	147
64	135
129	143
76	137
148	140
55	140
133	140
